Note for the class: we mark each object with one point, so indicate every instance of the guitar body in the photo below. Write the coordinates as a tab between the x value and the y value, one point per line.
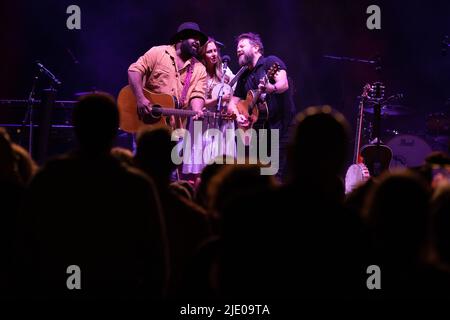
255	111
356	175
127	104
163	106
252	109
377	158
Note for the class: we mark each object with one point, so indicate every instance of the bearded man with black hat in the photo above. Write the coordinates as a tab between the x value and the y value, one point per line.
172	69
165	69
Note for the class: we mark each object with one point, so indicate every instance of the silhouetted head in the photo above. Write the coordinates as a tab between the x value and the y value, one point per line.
153	154
397	212
208	172
183	188
96	120
26	167
319	144
124	155
440	211
233	182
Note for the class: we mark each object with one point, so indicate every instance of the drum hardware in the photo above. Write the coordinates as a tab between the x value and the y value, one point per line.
391	110
84	93
375	60
23	102
48	98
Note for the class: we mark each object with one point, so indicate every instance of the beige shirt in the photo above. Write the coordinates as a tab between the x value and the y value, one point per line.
161	74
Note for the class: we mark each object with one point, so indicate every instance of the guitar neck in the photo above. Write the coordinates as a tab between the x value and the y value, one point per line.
189	113
238	74
358	132
175	112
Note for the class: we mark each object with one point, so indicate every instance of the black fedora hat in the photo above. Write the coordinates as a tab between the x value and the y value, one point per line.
186	30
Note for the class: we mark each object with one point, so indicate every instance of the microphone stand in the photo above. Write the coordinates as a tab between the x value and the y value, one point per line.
221	92
29	114
376	62
46	104
220	95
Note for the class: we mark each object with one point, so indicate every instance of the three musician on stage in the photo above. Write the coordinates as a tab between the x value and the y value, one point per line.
190	67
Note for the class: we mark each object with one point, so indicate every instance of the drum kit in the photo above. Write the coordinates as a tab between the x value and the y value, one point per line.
411	147
391	145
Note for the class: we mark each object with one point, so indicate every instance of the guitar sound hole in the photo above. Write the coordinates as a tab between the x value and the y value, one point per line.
155	113
152	117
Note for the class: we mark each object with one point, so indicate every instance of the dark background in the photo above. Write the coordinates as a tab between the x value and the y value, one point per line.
114	33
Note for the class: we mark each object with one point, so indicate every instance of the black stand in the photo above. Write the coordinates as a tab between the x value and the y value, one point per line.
220	94
44	120
28	119
376	61
45	123
377	129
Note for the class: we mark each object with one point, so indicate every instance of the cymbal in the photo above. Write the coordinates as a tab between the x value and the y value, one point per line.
390	110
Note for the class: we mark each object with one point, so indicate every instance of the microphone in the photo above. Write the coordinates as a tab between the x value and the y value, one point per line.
225	60
47	73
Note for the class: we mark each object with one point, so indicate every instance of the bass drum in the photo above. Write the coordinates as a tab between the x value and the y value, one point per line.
408	151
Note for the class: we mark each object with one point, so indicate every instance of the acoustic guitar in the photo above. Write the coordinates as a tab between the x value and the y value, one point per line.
254	107
358	173
377	156
163	106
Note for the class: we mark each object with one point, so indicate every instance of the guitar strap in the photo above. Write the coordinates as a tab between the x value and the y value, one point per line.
187	82
178	122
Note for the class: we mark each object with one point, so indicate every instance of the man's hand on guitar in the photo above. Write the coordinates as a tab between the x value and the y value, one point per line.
242	120
266	87
143	107
199	115
262	85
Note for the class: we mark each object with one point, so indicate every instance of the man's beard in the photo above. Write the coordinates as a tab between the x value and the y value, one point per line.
245	59
187	51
